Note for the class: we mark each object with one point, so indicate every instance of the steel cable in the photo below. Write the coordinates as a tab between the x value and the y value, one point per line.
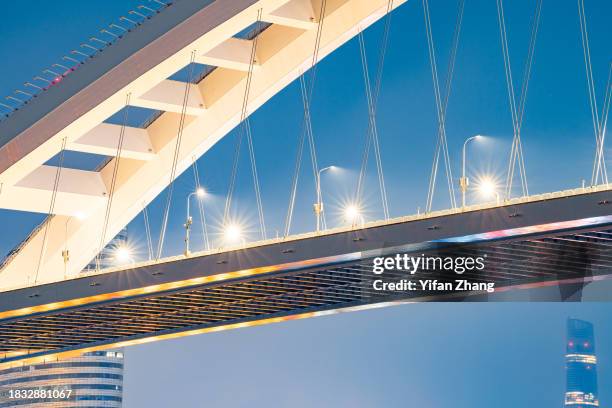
599	168
246	130
113	183
372	134
177	149
145	216
442	103
58	172
196	176
600	159
306	131
517	112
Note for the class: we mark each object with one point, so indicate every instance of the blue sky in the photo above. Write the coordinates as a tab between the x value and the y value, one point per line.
369	358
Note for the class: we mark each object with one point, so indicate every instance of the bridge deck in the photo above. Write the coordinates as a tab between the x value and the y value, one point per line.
545	242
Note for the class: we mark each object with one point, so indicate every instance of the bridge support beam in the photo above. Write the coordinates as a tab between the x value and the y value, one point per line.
284	52
234	53
78	192
104	140
168	96
296	13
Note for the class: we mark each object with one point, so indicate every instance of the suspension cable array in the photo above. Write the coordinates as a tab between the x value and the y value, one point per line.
196	176
111	192
372	101
246	130
147	225
517	112
306	93
58	173
600	169
177	149
442	103
599	165
260	212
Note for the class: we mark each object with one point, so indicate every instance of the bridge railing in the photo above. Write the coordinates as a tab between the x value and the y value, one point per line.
336	230
55	74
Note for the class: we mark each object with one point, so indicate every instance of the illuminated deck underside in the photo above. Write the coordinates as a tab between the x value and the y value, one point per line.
549	242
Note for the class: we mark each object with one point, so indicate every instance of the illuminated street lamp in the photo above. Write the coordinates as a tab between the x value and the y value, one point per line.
233	233
487	188
123	254
200	193
66	252
318	206
464	182
352	213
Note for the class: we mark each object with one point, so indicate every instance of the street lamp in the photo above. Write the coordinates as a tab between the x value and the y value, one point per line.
66	252
464	181
318	206
200	193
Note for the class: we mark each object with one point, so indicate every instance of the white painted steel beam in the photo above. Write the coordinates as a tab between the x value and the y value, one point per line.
214	108
234	53
296	13
104	140
168	96
78	192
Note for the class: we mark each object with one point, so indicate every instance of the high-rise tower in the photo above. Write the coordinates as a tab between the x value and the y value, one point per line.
581	365
93	379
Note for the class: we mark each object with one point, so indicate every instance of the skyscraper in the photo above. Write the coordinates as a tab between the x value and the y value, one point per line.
581	365
92	380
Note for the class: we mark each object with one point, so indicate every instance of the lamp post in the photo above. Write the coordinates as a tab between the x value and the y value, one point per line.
66	252
318	206
464	182
200	192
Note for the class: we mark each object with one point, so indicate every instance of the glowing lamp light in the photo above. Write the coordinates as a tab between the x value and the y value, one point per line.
200	192
232	233
487	187
351	212
80	216
123	254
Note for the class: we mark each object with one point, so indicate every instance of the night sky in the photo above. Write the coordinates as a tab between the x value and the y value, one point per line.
428	355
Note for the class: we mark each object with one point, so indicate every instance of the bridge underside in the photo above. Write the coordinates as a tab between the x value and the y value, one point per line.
563	242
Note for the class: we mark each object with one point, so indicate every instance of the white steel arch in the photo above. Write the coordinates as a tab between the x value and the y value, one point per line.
284	51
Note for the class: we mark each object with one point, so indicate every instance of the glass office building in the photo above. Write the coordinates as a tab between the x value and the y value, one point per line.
93	380
581	365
